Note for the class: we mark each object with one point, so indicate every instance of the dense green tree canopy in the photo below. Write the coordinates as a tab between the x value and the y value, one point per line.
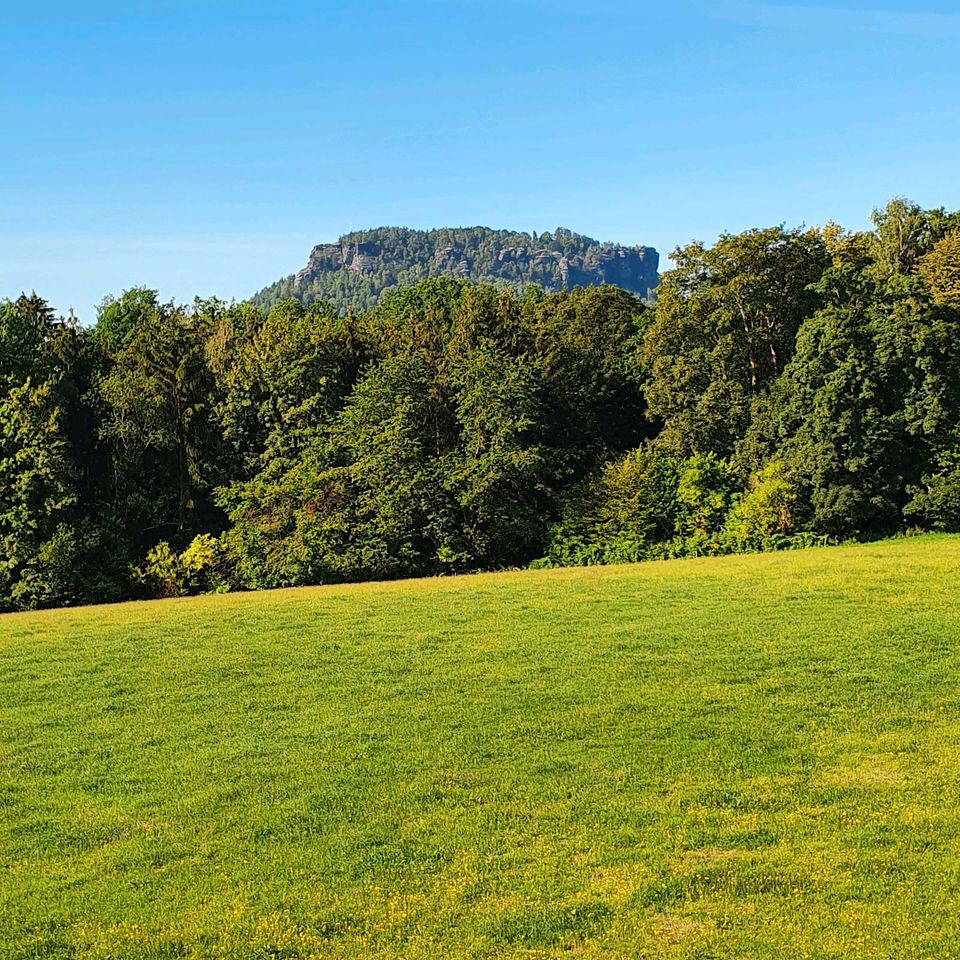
724	329
787	386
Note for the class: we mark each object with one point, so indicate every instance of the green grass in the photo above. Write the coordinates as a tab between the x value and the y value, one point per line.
743	757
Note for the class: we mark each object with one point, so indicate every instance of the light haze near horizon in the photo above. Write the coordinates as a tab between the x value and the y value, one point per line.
203	148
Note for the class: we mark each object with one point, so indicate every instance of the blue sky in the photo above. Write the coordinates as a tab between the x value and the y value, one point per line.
203	147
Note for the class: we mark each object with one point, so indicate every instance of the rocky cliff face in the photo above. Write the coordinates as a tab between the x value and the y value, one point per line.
360	266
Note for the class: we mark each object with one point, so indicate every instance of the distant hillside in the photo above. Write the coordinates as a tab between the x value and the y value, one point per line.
356	269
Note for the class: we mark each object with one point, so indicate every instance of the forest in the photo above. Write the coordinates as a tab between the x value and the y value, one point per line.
787	387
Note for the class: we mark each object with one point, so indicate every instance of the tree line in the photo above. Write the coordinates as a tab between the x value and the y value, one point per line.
788	387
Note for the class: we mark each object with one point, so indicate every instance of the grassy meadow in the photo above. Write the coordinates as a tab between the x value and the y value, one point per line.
739	757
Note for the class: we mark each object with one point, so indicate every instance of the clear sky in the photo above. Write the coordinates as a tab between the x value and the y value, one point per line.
203	147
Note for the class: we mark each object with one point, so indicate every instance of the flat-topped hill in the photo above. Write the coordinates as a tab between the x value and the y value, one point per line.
355	270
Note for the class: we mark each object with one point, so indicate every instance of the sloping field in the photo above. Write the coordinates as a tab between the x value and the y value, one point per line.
744	757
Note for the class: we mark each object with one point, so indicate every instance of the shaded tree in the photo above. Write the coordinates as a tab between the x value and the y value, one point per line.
724	328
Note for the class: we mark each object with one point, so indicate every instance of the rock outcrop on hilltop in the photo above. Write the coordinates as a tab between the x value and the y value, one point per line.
354	271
